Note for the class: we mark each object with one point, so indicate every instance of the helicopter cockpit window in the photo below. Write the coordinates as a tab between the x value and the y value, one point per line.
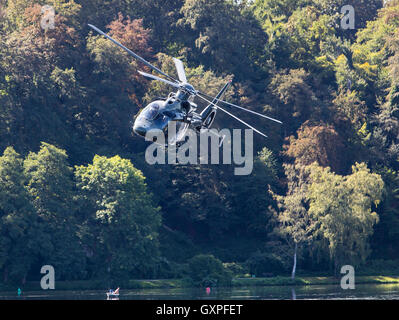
151	111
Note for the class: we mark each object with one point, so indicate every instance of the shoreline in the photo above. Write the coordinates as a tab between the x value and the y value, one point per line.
278	281
312	280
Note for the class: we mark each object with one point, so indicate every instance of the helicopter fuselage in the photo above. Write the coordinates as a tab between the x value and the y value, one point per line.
157	115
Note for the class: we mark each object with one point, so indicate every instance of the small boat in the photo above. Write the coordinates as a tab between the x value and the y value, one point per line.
113	294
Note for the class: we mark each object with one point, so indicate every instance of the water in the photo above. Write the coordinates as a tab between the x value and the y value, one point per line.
362	291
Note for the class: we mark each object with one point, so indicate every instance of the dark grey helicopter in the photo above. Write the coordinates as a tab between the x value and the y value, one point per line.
179	106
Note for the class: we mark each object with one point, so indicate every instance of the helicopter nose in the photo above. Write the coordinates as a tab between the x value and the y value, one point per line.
141	131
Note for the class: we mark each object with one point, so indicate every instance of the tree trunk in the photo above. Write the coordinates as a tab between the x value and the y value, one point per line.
294	266
293	294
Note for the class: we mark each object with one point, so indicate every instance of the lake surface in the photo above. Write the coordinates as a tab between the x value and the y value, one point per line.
362	291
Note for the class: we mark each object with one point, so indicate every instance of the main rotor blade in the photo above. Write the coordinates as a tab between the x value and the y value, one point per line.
242	121
180	70
151	76
233	116
132	53
245	109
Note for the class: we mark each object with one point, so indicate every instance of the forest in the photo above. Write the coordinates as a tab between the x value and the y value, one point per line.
75	189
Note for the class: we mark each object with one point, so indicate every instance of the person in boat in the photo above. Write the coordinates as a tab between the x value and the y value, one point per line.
113	291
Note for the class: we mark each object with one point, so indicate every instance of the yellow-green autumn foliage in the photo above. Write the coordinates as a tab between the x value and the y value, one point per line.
343	209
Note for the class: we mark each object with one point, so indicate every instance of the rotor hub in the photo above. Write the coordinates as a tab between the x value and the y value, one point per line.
188	88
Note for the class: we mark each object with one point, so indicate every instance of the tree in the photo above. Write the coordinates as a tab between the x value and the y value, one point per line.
116	96
265	264
252	200
300	36
17	220
347	106
374	47
111	61
51	189
295	100
227	39
200	200
33	61
366	10
342	208
131	34
385	136
266	9
206	270
16	10
386	234
2	15
159	16
296	225
120	220
317	142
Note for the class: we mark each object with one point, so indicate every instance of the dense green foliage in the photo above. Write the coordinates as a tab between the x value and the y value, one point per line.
76	192
206	270
119	218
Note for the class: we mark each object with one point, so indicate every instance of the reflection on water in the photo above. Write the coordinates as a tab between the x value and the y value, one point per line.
362	291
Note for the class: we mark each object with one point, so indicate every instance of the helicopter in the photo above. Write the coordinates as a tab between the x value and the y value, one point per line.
179	106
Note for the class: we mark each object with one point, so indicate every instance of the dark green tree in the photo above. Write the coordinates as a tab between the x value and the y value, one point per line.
18	220
119	218
208	271
227	39
51	188
251	197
